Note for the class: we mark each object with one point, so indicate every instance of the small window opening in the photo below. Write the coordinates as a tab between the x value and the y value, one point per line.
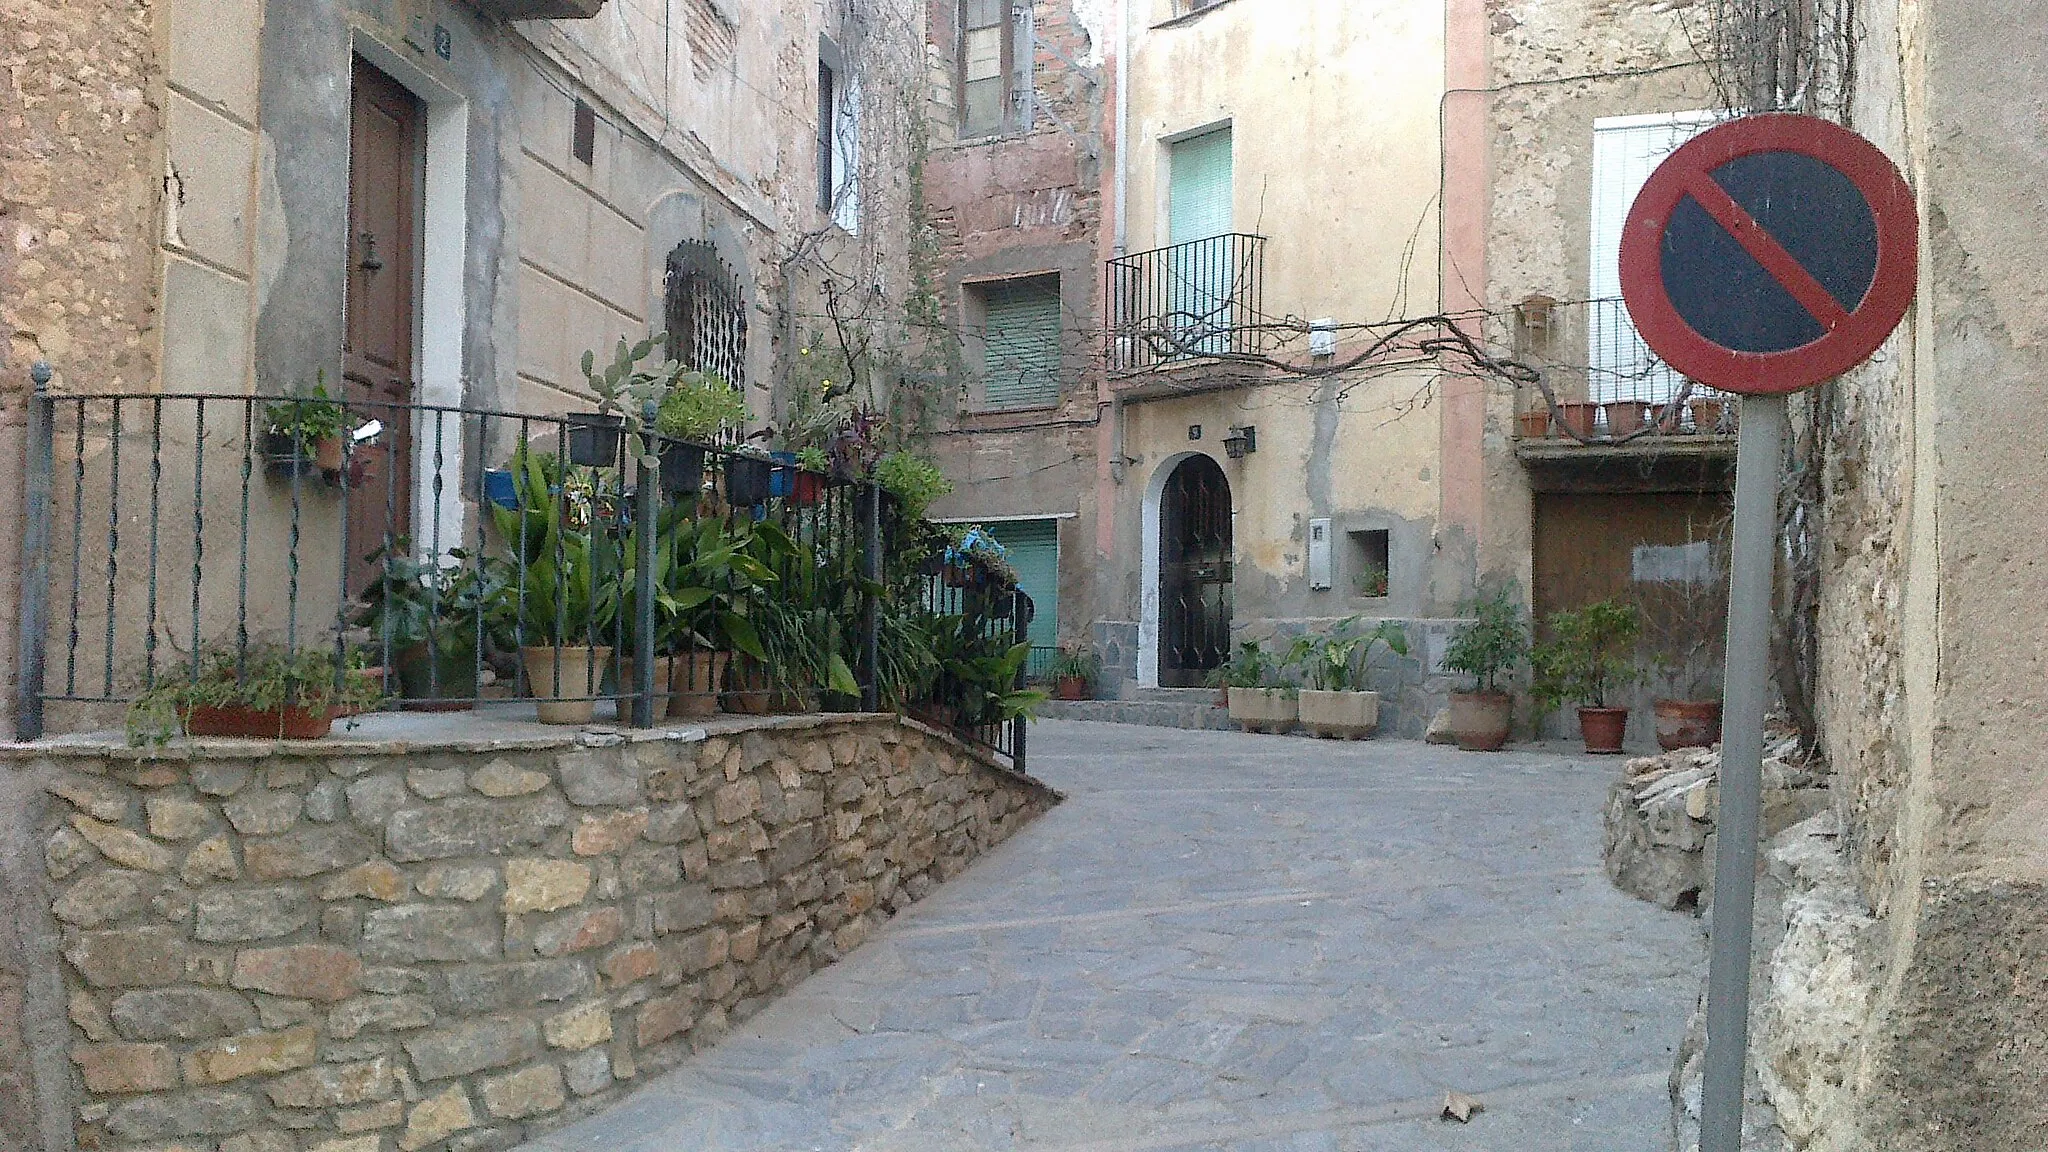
1370	574
583	142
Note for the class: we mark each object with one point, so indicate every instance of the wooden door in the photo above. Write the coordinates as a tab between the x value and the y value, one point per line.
385	156
1194	573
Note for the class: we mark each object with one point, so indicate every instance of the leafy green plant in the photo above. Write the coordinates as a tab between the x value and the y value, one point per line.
699	407
262	679
1251	666
983	555
414	599
560	584
980	672
812	458
915	481
1492	645
1591	654
1336	661
722	573
1071	663
308	419
1372	580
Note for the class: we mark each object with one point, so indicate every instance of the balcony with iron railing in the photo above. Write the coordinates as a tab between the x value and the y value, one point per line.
1630	397
1186	304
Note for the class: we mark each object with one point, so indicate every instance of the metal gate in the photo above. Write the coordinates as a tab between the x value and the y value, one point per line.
1194	573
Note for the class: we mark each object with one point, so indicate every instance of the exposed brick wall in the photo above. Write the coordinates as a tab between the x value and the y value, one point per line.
361	948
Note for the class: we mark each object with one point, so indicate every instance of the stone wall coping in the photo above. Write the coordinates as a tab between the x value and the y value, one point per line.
490	728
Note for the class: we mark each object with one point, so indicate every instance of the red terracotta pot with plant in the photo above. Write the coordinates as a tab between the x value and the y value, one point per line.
1489	648
1073	674
1590	658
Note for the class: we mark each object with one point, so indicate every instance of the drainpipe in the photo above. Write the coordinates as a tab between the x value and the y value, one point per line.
1123	194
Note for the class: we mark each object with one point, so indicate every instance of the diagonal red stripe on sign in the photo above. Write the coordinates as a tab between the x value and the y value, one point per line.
1765	249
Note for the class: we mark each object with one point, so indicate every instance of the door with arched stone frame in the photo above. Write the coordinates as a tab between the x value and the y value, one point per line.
1194	573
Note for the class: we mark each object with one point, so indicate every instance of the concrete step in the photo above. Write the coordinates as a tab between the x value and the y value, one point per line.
1195	713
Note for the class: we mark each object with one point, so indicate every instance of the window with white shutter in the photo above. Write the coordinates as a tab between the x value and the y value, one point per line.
985	36
1020	341
1626	149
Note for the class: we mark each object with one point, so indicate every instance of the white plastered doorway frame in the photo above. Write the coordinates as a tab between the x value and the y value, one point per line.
1149	562
441	304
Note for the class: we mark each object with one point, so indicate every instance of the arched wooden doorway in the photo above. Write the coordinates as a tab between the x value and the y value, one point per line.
1194	573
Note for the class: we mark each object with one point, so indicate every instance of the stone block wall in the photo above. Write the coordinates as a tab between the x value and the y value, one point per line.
362	946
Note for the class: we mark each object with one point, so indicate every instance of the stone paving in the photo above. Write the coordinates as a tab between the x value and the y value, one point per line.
1224	941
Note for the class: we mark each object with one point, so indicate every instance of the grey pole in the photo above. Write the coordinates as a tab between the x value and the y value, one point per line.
1758	470
38	447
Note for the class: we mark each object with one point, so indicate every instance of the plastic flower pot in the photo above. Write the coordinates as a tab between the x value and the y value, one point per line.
694	679
682	468
440	681
277	724
1577	420
501	489
1625	417
747	480
595	439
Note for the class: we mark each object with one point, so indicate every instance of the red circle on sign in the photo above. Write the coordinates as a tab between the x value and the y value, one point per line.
1850	337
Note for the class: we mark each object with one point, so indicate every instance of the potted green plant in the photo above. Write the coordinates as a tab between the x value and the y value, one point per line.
749	476
714	593
1589	658
264	693
1372	581
978	674
1685	631
698	409
309	429
560	595
1259	700
427	614
977	560
1334	703
1073	674
914	481
1488	648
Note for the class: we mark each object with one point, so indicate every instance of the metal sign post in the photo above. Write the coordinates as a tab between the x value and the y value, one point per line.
1763	257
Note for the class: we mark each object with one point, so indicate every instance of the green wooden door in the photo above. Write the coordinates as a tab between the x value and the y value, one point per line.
1200	268
1034	551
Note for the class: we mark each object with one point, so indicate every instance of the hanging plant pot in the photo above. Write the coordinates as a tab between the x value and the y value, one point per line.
595	439
285	457
1602	729
1577	420
501	489
807	488
1533	425
682	468
746	481
276	724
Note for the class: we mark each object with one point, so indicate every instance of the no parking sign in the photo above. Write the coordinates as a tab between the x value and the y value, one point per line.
1764	256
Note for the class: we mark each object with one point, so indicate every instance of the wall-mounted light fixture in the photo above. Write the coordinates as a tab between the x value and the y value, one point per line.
1242	441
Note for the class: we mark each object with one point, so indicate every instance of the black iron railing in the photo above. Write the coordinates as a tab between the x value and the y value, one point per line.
437	557
1200	299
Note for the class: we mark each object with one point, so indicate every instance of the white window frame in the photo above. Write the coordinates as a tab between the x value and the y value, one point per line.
1626	149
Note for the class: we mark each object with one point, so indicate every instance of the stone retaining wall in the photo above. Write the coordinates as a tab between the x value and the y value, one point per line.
385	946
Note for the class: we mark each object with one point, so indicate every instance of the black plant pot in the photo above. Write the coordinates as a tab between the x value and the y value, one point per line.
595	439
746	481
682	468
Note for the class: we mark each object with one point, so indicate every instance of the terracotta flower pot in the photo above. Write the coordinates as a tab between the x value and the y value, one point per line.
1533	425
694	680
627	681
1480	721
1707	415
278	724
564	681
1070	688
1602	729
1263	709
1577	420
327	454
749	689
1688	724
1340	715
1625	417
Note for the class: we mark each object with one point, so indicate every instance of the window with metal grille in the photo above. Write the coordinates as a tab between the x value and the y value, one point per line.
985	55
705	313
1020	326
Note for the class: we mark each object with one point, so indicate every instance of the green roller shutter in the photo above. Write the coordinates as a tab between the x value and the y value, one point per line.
1022	360
1201	193
1034	551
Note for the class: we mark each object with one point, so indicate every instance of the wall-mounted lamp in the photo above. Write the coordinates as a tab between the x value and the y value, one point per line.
1242	441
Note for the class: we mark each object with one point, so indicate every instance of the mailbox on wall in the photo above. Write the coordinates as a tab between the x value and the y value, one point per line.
1319	565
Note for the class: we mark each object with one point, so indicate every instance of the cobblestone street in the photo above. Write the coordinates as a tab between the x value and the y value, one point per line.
1223	941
